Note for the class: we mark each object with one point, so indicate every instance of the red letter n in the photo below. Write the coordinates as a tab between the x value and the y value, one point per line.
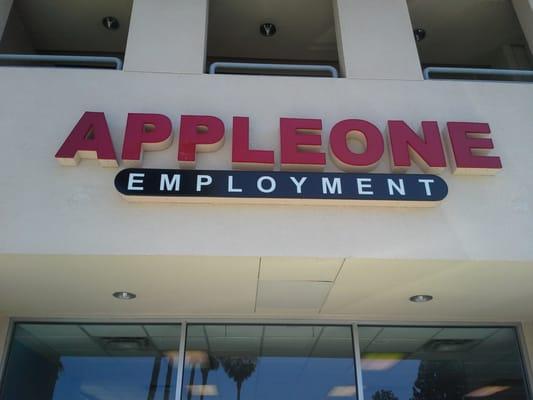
425	150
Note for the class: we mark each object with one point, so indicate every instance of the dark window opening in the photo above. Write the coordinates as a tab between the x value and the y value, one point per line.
64	33
272	33
471	39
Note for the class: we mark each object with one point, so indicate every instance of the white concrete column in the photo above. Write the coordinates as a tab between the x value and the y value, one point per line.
524	12
167	36
5	8
4	325
375	40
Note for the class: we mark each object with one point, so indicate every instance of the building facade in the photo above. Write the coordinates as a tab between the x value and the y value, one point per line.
403	271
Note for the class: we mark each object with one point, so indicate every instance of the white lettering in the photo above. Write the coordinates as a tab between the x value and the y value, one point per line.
426	183
400	187
133	179
331	187
203	180
298	183
363	184
167	184
261	187
232	189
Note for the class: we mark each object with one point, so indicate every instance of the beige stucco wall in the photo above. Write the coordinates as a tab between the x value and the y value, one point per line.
167	36
47	208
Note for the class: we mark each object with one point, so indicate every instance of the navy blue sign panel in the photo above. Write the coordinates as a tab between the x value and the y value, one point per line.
284	187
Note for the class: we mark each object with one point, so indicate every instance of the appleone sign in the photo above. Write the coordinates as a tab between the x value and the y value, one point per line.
301	160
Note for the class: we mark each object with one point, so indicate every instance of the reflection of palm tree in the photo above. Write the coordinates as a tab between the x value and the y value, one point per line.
439	380
152	390
384	395
211	365
239	369
168	381
191	381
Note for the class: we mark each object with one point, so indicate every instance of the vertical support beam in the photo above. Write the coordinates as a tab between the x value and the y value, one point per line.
4	332
357	355
526	337
524	12
5	9
167	36
375	40
181	361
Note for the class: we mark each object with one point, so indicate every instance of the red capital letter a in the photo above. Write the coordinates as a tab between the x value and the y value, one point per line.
90	139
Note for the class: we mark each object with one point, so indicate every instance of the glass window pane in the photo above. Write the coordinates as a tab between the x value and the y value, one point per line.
90	361
434	363
269	362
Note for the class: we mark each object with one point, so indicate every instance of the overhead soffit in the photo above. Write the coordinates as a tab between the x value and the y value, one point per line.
231	286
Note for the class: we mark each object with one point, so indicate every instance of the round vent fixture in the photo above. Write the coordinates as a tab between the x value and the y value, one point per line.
125	343
268	29
420	34
110	23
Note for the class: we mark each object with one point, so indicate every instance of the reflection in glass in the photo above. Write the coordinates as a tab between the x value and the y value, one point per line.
245	362
92	362
432	363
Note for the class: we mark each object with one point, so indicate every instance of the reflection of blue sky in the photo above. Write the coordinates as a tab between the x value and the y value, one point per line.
109	378
280	378
399	379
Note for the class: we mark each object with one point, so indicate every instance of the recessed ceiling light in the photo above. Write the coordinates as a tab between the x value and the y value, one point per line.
124	295
203	390
380	361
342	391
421	298
487	391
110	23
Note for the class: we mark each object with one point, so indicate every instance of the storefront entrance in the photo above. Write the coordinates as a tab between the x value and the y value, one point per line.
163	361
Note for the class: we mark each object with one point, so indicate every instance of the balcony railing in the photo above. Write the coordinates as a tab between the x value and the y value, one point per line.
489	73
328	69
63	59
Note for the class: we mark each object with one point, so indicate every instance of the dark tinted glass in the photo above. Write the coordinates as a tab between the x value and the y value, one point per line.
90	362
268	362
432	363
